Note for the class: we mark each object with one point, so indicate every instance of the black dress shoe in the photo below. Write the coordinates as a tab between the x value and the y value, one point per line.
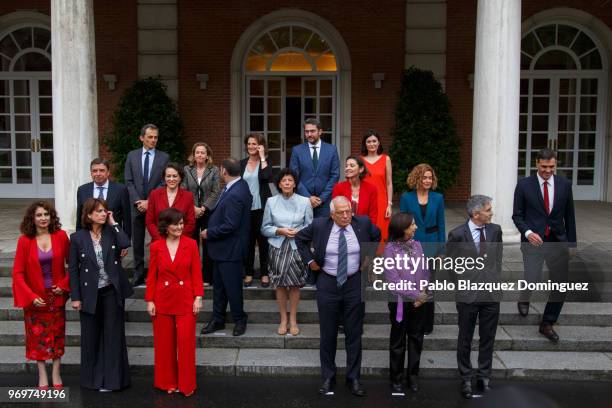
397	390
466	389
265	284
483	385
523	308
327	387
355	387
212	327
413	381
239	329
139	279
247	284
547	331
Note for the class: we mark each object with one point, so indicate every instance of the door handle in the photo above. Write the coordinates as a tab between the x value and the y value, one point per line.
33	145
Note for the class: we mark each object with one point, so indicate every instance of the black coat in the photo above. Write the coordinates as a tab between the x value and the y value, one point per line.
83	266
117	199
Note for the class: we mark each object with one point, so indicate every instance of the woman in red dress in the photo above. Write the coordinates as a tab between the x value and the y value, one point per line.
174	299
41	286
171	195
360	193
380	176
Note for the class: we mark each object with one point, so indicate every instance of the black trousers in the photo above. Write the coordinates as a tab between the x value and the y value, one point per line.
407	334
556	256
331	302
104	358
255	237
228	288
487	314
207	265
138	241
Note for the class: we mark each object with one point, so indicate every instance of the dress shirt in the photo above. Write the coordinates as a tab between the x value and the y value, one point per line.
151	157
475	230
96	192
318	146
331	252
551	194
252	179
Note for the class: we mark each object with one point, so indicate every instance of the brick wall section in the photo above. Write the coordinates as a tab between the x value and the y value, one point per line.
208	31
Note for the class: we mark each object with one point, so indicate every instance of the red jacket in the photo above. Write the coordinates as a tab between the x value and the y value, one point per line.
173	285
158	201
28	282
367	204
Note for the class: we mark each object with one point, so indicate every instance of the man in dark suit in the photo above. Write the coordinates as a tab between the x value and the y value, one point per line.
340	245
477	238
544	215
227	238
318	167
115	194
143	173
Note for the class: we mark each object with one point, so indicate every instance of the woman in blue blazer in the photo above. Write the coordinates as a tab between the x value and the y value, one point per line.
428	209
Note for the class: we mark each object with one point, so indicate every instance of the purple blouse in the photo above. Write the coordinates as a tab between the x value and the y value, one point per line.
413	249
46	260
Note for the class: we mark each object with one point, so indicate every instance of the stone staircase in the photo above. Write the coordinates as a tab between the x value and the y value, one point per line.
585	350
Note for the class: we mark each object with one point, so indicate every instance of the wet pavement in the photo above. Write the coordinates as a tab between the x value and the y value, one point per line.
271	392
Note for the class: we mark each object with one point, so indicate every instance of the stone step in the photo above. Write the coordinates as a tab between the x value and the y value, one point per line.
532	365
375	337
377	312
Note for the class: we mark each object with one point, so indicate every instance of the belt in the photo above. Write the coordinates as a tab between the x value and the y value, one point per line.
431	230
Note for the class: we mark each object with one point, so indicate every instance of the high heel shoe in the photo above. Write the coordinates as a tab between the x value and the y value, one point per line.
42	387
58	386
189	394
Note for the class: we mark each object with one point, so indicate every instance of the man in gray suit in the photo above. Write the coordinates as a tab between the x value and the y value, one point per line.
143	173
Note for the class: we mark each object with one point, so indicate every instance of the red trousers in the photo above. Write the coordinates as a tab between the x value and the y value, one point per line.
175	342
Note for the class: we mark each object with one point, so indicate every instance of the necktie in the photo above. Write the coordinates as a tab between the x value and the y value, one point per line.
100	193
342	272
315	157
546	207
145	175
482	242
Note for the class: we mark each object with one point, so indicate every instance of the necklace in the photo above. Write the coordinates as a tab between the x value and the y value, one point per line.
96	236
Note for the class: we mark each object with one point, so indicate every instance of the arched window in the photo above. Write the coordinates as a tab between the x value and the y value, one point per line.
26	49
290	48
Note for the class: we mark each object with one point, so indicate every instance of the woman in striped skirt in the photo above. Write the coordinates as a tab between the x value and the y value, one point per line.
285	214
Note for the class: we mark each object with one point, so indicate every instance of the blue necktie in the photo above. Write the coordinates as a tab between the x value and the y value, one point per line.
145	175
315	158
342	272
100	193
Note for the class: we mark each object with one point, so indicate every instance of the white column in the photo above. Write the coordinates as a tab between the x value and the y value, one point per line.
496	107
75	111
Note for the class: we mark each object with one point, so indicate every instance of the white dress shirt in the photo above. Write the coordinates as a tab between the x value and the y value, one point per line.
551	195
331	251
96	191
318	146
151	157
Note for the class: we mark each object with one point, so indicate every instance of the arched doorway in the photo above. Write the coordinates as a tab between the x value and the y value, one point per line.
563	86
288	66
26	123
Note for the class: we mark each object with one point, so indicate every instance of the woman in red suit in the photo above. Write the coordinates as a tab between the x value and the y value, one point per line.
41	286
172	195
174	298
361	194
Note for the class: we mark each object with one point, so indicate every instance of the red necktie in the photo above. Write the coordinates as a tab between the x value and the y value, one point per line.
546	207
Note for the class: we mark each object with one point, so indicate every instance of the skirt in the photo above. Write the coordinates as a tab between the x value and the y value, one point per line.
45	331
285	267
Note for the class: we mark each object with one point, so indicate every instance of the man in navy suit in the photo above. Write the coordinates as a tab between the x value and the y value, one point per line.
341	244
227	238
115	194
143	174
544	215
318	168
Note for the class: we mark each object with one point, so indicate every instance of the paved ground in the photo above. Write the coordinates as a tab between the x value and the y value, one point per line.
238	392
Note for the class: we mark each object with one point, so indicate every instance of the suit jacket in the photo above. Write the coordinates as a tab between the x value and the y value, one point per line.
461	245
158	201
207	192
173	285
368	204
229	224
133	173
317	235
431	231
264	177
529	212
28	283
117	199
320	181
83	266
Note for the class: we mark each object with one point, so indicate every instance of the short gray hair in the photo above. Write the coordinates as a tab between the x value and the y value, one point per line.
476	203
338	200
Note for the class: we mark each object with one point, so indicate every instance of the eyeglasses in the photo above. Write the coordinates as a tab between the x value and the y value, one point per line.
311	131
343	212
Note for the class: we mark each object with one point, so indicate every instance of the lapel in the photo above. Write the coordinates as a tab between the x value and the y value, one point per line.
357	229
89	249
110	194
536	188
224	195
308	157
327	232
417	208
557	194
154	168
138	175
467	233
107	242
180	252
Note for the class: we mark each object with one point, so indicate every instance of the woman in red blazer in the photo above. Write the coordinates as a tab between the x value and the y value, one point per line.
174	298
41	286
361	194
172	195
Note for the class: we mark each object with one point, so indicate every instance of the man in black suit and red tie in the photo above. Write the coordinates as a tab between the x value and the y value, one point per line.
544	215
